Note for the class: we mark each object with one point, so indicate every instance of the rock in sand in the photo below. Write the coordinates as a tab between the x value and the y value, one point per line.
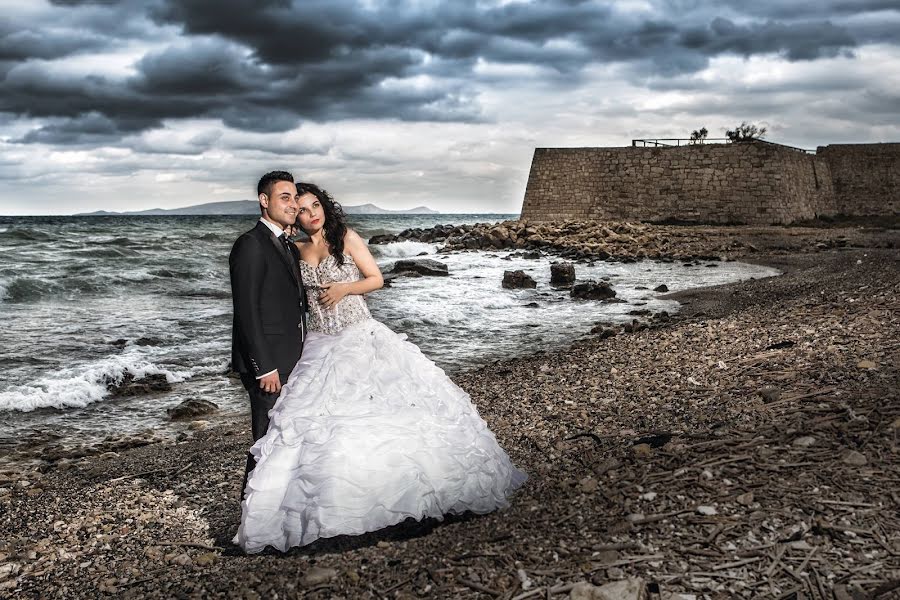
189	409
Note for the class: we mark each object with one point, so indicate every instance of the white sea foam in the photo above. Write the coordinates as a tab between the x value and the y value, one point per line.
138	276
402	249
79	386
3	289
210	366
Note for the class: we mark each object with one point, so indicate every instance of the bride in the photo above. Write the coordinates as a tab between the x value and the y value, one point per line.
367	431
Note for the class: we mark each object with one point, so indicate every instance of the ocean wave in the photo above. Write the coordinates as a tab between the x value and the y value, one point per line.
75	268
26	289
499	303
25	235
216	237
140	276
10	362
433	318
155	247
173	274
202	293
30	289
81	386
119	241
107	252
369	232
401	249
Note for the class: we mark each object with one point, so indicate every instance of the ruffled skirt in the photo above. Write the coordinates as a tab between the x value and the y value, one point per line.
366	433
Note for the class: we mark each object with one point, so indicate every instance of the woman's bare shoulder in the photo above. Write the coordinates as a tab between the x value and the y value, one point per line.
352	238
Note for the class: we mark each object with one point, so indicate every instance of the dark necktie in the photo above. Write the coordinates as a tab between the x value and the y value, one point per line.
286	246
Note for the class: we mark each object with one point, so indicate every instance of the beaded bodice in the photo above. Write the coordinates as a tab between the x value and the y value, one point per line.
351	308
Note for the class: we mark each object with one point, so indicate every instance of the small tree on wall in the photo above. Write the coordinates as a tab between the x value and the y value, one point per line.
698	135
745	132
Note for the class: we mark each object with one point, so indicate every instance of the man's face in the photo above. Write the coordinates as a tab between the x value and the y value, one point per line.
280	206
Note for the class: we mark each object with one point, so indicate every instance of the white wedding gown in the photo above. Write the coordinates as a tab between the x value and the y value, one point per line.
366	433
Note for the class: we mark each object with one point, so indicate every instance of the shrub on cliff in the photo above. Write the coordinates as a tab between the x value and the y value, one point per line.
699	135
745	132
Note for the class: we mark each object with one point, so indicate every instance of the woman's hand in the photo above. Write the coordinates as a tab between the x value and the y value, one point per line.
332	293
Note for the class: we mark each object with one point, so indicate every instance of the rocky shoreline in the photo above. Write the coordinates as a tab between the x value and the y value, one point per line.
622	241
745	447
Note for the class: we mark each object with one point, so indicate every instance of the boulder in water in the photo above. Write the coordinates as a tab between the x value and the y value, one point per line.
129	386
517	280
562	273
592	290
190	409
383	239
420	267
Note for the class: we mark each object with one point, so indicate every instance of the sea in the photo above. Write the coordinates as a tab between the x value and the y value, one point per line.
86	300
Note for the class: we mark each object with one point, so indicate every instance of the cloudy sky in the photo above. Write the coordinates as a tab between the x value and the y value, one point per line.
134	104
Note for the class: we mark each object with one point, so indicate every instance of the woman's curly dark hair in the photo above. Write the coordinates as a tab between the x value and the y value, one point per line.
335	220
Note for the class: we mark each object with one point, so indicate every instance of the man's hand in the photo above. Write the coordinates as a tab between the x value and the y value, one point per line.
270	383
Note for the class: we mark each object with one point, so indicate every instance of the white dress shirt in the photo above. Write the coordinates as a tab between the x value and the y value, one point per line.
278	231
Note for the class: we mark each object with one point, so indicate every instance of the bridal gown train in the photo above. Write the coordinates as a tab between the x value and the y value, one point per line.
367	432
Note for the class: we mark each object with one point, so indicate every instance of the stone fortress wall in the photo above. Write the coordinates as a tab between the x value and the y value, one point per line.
755	183
865	177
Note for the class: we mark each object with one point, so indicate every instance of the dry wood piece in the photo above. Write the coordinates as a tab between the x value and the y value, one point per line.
394	587
661	516
737	563
478	587
617	546
199	545
548	591
776	561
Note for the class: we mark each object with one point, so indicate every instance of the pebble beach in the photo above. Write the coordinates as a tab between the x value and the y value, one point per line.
746	446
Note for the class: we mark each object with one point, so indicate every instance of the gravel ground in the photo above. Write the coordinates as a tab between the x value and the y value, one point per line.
747	447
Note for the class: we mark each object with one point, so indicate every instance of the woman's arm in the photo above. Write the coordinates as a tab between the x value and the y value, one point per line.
372	279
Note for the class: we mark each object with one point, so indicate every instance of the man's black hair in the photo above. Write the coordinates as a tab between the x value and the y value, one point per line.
269	179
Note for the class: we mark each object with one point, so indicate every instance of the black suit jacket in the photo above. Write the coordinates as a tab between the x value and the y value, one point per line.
269	304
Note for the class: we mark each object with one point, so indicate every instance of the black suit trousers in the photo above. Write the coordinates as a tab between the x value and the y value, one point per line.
260	404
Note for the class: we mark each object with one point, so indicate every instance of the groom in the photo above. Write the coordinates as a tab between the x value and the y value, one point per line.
269	302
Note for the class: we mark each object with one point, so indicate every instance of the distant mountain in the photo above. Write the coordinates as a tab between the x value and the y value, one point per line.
251	207
371	209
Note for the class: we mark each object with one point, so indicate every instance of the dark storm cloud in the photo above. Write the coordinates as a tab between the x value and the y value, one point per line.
205	67
267	65
85	2
804	41
23	44
805	9
88	128
313	31
280	33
